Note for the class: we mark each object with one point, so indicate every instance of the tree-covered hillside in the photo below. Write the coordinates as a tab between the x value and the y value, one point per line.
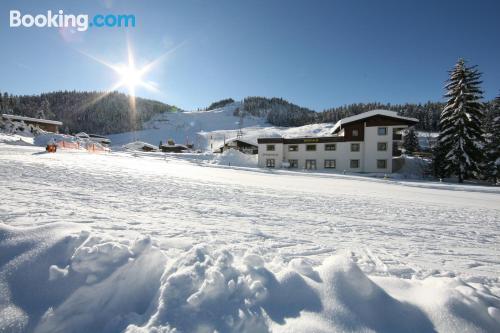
92	112
280	112
220	104
96	112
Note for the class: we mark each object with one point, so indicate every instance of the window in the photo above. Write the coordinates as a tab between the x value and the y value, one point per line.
354	146
354	164
311	164
310	147
331	146
382	131
270	162
382	146
270	147
329	164
355	132
381	164
293	164
293	148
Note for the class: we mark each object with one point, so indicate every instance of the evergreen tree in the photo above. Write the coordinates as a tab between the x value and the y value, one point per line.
438	162
5	101
410	141
491	169
461	135
44	110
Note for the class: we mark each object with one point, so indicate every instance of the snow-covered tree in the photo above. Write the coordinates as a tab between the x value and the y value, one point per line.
44	109
491	167
461	134
410	141
40	114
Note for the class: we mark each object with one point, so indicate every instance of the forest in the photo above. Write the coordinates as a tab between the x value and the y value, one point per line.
108	113
280	112
91	112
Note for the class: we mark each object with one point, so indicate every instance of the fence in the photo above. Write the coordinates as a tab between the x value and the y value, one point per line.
90	147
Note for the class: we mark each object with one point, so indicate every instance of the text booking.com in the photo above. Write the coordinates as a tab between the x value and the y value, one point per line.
80	22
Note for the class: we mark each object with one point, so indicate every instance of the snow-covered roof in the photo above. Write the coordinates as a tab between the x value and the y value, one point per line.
250	141
82	135
174	145
35	120
368	114
139	145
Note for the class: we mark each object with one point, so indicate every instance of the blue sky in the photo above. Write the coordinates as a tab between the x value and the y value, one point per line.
314	53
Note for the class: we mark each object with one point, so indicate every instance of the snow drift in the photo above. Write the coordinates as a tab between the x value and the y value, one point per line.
60	278
233	157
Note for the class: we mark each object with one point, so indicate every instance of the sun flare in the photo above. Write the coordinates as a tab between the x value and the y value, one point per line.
130	77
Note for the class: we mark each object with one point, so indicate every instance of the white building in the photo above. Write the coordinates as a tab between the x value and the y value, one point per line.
367	142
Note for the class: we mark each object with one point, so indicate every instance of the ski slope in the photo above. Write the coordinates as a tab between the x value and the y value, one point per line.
207	130
138	243
188	127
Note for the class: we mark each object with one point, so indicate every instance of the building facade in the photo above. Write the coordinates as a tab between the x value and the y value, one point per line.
364	143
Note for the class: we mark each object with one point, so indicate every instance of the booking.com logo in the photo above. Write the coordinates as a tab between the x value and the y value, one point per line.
80	22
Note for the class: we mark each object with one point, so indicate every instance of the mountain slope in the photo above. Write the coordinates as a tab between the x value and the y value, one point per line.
190	127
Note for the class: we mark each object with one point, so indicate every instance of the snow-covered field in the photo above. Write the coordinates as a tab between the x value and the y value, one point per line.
148	242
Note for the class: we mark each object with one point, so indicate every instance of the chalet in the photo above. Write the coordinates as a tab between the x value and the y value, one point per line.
367	142
243	145
173	148
43	124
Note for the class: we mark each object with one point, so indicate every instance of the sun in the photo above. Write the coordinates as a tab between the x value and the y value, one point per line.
130	77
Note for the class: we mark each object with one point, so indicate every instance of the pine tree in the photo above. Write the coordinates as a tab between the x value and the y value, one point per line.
410	141
491	169
461	135
438	162
5	102
44	110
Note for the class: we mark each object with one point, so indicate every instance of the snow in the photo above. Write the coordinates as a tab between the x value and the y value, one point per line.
16	139
234	157
129	242
43	139
139	146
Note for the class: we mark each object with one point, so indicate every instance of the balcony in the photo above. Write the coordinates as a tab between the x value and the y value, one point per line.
397	134
396	148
